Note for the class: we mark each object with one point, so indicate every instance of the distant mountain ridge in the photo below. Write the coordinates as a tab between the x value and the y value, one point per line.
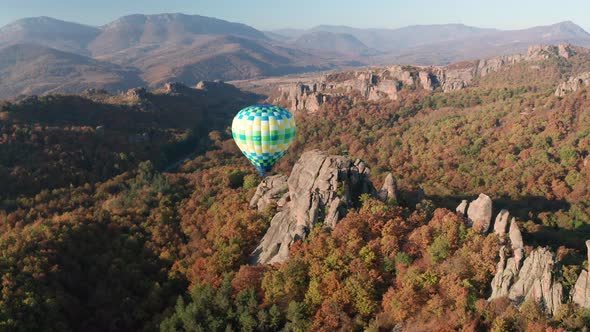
155	49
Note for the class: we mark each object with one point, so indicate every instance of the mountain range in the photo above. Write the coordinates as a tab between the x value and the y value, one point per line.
42	54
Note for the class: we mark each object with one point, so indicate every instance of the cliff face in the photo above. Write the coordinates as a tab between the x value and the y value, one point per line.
385	83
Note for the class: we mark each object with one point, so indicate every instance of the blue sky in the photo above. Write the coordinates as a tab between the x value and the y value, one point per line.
273	14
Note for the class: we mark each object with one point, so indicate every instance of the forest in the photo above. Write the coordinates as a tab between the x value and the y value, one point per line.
97	236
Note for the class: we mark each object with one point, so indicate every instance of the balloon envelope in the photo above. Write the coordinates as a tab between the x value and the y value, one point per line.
263	133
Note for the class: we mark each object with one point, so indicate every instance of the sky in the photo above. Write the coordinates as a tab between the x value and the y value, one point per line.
301	14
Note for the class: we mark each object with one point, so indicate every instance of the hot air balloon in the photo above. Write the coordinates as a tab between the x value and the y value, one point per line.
263	133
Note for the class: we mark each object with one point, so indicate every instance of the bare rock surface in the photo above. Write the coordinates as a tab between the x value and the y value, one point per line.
536	281
501	223
321	188
269	191
581	291
389	189
515	235
479	213
462	208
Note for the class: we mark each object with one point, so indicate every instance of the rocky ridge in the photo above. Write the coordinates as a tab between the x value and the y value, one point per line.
386	83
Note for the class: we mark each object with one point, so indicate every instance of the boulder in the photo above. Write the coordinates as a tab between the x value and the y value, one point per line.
501	223
462	208
321	188
479	213
389	189
269	191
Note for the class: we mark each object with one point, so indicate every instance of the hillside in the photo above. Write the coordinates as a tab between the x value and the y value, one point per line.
220	57
147	30
57	140
32	69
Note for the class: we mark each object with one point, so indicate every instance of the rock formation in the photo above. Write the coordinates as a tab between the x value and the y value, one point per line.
385	83
271	190
573	84
462	208
581	291
305	97
174	88
389	189
501	223
535	280
531	279
479	213
515	235
136	93
321	188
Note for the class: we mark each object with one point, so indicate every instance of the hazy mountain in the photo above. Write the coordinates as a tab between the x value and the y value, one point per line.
134	30
35	69
287	33
46	31
335	43
396	39
489	44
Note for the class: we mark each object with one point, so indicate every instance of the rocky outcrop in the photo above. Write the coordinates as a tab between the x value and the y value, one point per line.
581	291
515	235
462	208
174	88
321	188
389	189
305	97
573	84
136	93
508	268
272	190
479	213
501	223
521	279
536	281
